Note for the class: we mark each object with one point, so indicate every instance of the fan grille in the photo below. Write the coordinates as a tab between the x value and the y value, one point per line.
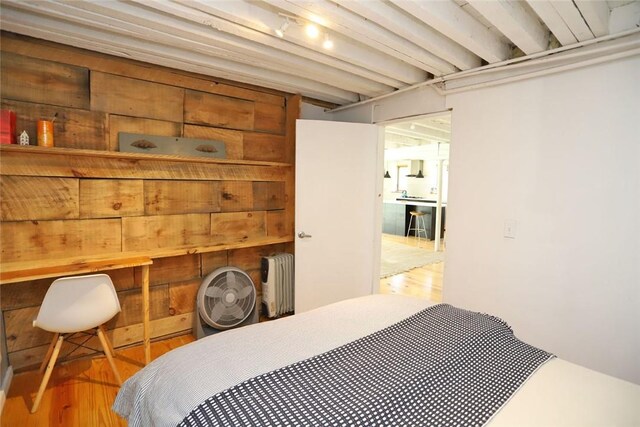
226	298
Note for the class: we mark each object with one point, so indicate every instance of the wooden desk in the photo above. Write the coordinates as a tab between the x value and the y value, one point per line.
32	270
22	271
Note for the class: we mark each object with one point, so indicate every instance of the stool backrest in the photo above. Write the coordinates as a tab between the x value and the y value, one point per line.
74	304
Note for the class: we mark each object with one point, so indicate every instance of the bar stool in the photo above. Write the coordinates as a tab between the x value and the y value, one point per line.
419	226
72	305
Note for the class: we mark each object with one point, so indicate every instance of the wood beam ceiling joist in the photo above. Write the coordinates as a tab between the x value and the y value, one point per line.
572	17
153	41
417	135
380	46
192	33
596	13
330	15
387	16
552	19
346	54
624	18
452	21
514	21
153	53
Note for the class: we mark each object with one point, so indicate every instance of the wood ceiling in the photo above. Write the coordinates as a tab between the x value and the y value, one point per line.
378	46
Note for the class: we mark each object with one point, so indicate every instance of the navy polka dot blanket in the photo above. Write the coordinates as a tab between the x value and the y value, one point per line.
443	366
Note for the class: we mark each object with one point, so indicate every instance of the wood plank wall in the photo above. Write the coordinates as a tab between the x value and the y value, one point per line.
46	214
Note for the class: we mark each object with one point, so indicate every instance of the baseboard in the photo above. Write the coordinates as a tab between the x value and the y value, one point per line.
6	383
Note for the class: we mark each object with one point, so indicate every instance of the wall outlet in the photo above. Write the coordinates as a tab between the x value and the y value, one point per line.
510	228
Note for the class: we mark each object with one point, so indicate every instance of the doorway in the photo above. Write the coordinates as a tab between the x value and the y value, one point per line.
415	185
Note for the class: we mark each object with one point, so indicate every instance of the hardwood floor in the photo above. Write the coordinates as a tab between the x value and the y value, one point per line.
422	282
80	393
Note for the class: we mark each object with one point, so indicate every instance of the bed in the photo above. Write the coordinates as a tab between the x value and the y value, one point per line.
554	392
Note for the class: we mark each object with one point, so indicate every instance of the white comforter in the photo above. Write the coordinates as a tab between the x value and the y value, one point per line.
162	394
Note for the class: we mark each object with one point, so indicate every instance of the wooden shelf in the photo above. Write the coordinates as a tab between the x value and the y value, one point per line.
79	152
80	163
21	271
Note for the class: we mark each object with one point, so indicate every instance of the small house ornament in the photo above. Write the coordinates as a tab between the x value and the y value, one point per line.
24	138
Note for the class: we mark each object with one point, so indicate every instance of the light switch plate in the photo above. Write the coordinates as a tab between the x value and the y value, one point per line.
510	228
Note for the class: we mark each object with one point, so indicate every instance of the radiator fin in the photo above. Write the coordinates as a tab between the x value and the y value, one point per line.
277	284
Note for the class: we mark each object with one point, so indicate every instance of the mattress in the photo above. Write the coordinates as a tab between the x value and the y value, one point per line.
164	392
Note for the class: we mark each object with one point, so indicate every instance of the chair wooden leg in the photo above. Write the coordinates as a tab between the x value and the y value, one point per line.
47	374
49	351
108	352
104	332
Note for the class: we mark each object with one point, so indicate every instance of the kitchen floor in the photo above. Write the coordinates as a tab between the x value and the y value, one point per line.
422	282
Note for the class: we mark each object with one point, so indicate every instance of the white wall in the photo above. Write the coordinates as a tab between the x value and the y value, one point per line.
406	104
313	112
561	156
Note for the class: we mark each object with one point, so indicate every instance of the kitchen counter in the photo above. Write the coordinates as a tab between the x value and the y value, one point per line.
396	215
415	202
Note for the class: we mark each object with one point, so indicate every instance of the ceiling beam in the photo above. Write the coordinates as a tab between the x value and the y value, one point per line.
332	16
596	13
449	18
346	54
387	16
515	22
415	135
159	32
624	18
61	32
553	21
99	20
404	129
435	126
197	26
571	15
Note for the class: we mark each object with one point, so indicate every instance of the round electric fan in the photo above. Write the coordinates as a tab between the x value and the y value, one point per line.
226	298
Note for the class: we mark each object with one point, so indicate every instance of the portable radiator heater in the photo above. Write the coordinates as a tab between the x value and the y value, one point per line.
277	284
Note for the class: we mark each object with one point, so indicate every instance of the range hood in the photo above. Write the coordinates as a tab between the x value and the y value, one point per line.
416	167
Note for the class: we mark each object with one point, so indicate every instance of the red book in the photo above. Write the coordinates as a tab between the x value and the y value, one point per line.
7	127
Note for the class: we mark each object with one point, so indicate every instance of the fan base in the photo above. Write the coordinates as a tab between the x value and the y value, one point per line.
201	329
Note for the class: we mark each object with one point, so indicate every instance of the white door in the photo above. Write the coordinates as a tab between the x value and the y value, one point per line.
338	210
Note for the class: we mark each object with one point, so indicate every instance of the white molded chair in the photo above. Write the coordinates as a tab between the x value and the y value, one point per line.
76	304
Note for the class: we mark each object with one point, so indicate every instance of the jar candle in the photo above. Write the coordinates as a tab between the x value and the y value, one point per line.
45	133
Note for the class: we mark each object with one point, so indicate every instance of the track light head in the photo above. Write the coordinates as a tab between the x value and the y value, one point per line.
312	30
280	31
327	43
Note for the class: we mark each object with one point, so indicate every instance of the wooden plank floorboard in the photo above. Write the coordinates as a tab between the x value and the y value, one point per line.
80	393
422	282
